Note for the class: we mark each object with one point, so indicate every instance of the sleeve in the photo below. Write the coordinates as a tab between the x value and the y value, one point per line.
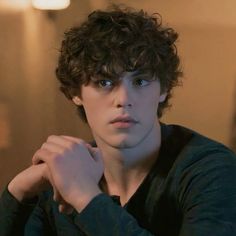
13	214
103	216
22	218
207	196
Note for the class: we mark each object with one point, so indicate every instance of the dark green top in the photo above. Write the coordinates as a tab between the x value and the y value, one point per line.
190	191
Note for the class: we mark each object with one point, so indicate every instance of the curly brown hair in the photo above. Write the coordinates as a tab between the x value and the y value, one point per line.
118	38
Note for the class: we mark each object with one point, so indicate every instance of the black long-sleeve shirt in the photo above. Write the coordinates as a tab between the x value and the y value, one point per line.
189	191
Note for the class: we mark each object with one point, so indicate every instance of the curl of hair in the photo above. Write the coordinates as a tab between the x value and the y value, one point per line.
118	38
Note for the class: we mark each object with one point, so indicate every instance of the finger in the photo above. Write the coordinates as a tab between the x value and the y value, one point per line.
41	156
65	208
53	147
91	149
56	195
63	141
95	152
73	139
63	205
63	138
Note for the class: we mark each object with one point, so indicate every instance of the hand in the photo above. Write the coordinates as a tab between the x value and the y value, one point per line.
76	168
30	182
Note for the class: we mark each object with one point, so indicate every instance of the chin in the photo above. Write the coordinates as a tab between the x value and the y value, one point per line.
124	143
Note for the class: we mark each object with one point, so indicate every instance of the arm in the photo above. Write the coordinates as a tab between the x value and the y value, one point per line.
13	214
18	201
70	162
103	216
207	196
23	218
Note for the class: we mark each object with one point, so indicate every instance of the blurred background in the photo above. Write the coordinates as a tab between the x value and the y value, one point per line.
32	108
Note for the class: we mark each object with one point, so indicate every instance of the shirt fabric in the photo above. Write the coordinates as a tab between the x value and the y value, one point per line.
189	191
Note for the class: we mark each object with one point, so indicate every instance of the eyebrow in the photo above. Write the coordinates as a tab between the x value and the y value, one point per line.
142	74
133	75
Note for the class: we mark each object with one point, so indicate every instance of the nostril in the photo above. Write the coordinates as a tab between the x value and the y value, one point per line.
124	105
123	95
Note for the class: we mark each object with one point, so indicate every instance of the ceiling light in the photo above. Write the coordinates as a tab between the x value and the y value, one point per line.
50	4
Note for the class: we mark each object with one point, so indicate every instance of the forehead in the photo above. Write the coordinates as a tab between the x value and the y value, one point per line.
124	74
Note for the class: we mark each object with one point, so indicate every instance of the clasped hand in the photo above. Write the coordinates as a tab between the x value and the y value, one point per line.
75	170
71	166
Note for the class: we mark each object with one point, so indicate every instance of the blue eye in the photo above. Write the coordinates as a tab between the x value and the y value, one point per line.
105	83
141	82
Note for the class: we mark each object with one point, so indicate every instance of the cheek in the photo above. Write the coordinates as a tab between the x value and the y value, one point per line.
149	108
94	112
151	102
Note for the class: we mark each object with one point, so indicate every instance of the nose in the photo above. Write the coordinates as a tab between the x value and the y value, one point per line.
123	96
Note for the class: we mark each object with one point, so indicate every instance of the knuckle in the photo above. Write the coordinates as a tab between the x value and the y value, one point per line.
80	141
51	137
44	145
45	170
72	145
39	152
54	156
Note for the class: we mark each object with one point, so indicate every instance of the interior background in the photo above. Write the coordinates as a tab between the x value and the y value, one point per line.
32	108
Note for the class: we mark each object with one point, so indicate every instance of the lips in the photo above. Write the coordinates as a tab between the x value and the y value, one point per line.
125	119
123	122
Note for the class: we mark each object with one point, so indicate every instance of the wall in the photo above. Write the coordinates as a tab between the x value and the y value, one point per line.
206	101
31	105
31	108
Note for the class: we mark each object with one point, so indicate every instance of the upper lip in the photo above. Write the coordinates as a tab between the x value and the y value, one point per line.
123	118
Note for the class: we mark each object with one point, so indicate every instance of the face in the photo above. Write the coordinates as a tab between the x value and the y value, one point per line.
121	114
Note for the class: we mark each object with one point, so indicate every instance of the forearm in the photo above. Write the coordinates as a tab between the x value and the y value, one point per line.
13	214
103	216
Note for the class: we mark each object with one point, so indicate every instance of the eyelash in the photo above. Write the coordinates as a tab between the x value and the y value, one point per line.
136	82
139	80
99	83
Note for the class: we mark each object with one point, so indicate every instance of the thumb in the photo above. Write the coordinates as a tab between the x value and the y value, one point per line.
95	153
98	158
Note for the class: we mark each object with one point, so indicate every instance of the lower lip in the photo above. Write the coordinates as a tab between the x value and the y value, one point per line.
123	125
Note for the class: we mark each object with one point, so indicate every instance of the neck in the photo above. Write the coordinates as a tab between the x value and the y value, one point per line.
126	168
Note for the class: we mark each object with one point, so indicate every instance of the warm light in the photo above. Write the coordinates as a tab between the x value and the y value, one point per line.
4	126
14	4
50	4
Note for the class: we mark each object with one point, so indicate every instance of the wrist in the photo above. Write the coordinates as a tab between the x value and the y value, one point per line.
15	192
85	199
18	193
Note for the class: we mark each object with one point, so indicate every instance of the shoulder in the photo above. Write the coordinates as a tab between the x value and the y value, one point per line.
194	147
203	184
199	162
207	153
203	169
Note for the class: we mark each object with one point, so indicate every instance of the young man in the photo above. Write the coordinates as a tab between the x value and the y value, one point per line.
140	177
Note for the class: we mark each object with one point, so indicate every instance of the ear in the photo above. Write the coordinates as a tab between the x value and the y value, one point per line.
162	97
77	101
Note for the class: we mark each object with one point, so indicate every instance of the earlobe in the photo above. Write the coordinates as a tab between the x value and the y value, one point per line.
77	101
162	97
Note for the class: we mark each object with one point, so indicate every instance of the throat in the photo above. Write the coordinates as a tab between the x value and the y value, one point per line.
126	169
124	187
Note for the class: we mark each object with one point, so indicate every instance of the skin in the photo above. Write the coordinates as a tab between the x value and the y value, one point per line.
128	154
126	148
57	163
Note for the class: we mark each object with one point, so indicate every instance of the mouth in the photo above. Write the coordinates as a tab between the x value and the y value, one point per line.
123	122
